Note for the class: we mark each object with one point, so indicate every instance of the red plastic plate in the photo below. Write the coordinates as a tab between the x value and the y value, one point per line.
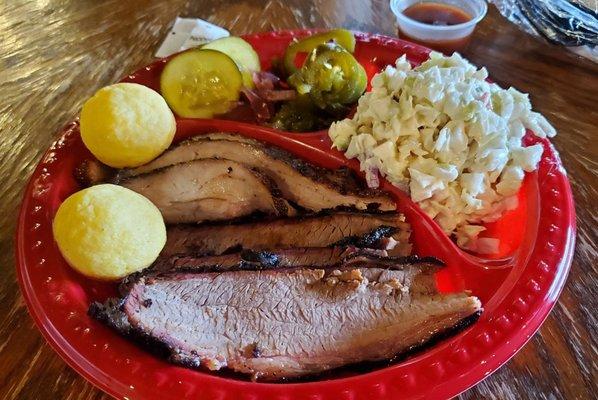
518	290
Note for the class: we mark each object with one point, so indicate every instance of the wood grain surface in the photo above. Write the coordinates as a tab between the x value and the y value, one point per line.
55	54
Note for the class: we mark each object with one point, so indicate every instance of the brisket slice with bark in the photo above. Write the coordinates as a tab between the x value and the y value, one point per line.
289	322
302	183
344	228
307	257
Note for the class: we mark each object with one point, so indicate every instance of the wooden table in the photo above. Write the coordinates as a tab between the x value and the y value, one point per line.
55	54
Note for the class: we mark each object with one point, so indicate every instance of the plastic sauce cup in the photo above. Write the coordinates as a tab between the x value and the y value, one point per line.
445	38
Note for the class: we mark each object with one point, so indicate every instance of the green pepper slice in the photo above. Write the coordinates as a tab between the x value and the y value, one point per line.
301	115
342	37
331	77
298	115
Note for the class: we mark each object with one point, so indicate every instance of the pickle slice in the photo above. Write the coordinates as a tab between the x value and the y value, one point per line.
201	83
241	52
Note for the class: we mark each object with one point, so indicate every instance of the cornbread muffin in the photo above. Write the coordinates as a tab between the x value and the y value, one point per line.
126	125
107	231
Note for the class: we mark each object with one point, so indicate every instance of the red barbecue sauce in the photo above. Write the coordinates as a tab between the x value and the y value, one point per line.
438	14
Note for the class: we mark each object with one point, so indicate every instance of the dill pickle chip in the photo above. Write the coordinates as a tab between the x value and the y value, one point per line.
201	83
241	52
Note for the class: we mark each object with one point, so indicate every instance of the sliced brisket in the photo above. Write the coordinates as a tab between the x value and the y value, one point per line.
285	323
356	229
306	257
300	182
209	190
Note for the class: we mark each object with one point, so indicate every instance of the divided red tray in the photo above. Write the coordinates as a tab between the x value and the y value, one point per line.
518	289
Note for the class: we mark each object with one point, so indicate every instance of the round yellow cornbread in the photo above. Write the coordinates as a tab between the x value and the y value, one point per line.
127	125
107	231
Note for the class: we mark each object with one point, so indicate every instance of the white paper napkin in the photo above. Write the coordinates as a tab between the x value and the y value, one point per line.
189	32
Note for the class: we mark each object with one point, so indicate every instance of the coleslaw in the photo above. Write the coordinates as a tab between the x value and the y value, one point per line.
447	136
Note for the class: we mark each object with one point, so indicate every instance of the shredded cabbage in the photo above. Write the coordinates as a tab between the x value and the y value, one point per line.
447	136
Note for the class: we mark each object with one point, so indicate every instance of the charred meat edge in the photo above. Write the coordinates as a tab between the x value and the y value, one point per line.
341	229
294	258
